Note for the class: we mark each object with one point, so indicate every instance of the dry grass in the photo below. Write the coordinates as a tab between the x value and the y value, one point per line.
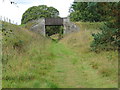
105	64
79	40
25	57
36	62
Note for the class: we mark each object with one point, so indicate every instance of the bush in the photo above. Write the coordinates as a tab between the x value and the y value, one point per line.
107	39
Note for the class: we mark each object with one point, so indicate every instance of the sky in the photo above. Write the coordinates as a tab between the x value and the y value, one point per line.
15	11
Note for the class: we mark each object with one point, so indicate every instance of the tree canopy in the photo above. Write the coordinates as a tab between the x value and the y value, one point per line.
40	11
90	11
109	12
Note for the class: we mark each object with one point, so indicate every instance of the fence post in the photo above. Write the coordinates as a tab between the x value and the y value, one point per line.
13	22
4	19
9	21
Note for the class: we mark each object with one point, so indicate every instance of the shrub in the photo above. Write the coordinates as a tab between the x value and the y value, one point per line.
109	37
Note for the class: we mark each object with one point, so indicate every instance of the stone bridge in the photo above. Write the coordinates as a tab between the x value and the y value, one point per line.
40	25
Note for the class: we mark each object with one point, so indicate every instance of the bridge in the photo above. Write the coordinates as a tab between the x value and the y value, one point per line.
53	21
40	24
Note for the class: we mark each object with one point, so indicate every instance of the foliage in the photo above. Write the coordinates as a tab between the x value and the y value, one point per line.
41	63
109	37
90	11
102	63
36	12
51	30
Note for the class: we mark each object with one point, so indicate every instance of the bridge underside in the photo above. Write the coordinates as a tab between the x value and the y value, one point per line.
53	21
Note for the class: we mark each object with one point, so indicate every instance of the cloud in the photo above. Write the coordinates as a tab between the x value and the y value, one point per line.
15	13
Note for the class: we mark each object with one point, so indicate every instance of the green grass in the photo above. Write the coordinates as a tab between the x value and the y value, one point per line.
100	69
33	61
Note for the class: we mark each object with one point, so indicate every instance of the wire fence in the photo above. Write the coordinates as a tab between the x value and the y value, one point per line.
5	19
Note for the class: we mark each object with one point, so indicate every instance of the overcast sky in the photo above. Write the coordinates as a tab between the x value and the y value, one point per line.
15	13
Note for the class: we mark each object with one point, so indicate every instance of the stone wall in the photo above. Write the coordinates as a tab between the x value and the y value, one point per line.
69	27
39	26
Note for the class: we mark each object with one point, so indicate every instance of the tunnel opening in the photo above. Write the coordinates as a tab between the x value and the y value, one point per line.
54	28
54	32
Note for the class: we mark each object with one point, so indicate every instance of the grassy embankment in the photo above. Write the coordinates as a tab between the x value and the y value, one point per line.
30	60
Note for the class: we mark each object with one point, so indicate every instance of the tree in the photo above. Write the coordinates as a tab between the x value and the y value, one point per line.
89	11
37	12
42	11
109	37
109	12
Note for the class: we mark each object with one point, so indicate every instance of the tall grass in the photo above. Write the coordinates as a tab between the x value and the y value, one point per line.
33	61
105	64
90	25
26	59
0	54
